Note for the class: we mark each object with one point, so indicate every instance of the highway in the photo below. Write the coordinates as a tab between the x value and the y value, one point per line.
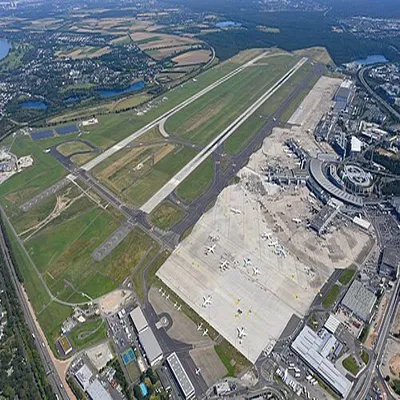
52	375
379	99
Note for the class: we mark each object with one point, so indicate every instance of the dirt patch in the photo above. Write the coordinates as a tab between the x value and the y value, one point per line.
193	57
377	322
114	301
394	365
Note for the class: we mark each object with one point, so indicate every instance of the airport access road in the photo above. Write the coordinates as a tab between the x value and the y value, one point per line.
51	372
123	143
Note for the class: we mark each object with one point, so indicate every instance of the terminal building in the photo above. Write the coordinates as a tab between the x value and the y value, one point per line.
91	385
146	336
180	376
315	348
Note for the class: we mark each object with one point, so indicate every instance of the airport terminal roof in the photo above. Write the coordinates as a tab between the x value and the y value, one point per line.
312	348
332	324
359	300
96	391
316	171
138	319
180	375
150	345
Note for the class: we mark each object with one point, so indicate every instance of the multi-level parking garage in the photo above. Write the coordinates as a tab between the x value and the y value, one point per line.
317	168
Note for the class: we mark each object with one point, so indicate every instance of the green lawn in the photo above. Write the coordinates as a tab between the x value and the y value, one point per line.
346	276
227	353
350	364
365	357
198	182
331	296
166	215
88	334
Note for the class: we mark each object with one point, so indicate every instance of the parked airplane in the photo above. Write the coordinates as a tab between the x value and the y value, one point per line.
266	236
297	220
167	297
207	300
205	333
224	265
246	262
180	306
197	372
210	249
256	271
273	244
241	333
199	326
175	305
236	211
163	293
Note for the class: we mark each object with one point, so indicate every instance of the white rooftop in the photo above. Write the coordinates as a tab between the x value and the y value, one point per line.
312	348
138	319
180	375
150	345
332	324
96	391
83	376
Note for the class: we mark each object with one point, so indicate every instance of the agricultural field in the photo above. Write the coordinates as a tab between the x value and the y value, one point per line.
193	57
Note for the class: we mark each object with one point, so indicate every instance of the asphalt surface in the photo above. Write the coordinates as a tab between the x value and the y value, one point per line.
49	368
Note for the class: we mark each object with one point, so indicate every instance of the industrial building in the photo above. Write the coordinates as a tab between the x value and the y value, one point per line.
150	346
146	337
91	385
389	262
321	221
138	319
314	349
359	300
181	377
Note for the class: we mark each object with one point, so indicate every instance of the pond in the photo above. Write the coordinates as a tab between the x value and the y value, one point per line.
372	59
116	92
4	48
38	105
227	24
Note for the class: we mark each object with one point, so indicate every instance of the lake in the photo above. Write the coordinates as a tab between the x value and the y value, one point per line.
373	59
34	104
4	48
114	92
227	24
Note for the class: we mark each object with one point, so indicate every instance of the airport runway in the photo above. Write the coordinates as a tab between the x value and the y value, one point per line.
112	150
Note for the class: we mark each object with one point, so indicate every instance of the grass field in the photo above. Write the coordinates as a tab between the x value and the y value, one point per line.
365	357
331	296
233	361
166	215
346	276
205	118
88	334
350	364
197	182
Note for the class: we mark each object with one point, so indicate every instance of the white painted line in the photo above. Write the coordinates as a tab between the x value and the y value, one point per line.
170	186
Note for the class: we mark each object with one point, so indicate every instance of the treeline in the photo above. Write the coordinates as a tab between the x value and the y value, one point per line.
22	374
390	163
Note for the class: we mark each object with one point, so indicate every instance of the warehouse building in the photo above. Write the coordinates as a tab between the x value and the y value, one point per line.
359	300
181	377
150	345
314	349
138	319
96	391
